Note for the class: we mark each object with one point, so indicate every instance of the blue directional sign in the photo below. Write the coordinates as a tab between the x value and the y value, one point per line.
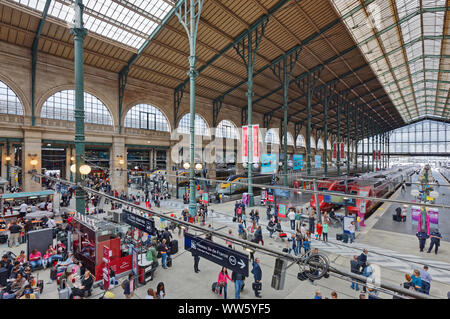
142	223
216	253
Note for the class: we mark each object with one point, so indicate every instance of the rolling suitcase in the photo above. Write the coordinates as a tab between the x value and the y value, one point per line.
64	293
345	238
3	239
338	236
174	247
3	277
214	288
169	262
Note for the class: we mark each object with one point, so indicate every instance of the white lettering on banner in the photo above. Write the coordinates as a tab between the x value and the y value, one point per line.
244	144
255	143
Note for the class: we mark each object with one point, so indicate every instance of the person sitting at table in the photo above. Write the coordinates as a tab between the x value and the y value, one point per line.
22	257
51	223
42	205
35	259
62	265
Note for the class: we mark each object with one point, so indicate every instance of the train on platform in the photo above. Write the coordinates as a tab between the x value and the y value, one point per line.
379	184
227	187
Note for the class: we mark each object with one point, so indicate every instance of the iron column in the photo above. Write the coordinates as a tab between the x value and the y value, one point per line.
189	18
79	33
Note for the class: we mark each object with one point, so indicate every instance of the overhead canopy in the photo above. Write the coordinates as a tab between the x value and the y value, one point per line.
147	33
407	44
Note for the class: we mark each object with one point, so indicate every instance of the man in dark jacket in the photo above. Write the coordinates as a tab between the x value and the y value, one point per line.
167	236
435	238
422	236
196	261
362	259
355	268
257	274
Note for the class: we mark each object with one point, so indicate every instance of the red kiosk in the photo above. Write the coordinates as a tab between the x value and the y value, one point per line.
91	236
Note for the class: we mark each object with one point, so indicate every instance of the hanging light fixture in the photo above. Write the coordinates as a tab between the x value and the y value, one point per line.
73	168
198	167
85	169
8	158
186	165
34	162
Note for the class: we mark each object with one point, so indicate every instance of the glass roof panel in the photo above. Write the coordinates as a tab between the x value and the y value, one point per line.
405	48
129	22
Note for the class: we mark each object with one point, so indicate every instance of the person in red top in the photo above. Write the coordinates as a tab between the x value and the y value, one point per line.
222	281
319	229
35	259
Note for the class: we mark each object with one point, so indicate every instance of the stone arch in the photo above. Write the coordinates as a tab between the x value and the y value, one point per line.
197	114
26	104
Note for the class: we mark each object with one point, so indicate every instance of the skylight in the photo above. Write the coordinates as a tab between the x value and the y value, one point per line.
129	22
408	49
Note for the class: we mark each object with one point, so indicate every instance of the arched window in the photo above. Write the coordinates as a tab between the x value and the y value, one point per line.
61	106
290	139
271	137
300	141
201	127
9	102
320	144
313	142
146	117
226	129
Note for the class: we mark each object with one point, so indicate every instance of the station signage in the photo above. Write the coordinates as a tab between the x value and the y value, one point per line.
217	254
342	150
144	224
334	151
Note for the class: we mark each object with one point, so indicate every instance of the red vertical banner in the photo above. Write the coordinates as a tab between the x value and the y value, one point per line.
374	155
255	143
106	260
342	150
244	144
334	151
379	155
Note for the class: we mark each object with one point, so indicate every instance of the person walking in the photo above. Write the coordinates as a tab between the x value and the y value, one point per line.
319	229
271	227
196	261
422	236
291	244
291	217
257	275
435	238
355	268
325	231
222	281
258	237
129	286
351	229
238	284
298	219
426	280
14	233
311	222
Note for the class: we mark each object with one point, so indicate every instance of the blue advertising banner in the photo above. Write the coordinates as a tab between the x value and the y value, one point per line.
318	161
269	164
297	162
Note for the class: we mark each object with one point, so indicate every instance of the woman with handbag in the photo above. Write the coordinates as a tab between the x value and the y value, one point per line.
222	281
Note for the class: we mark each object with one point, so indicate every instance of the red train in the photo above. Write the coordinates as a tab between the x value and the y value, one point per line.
379	184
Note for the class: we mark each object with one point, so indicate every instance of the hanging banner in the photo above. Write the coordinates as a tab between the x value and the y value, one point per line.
255	138
379	155
342	150
334	151
107	253
297	162
244	144
374	155
269	164
317	161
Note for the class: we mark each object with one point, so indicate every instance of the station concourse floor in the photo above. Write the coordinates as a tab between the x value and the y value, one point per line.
182	283
386	223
